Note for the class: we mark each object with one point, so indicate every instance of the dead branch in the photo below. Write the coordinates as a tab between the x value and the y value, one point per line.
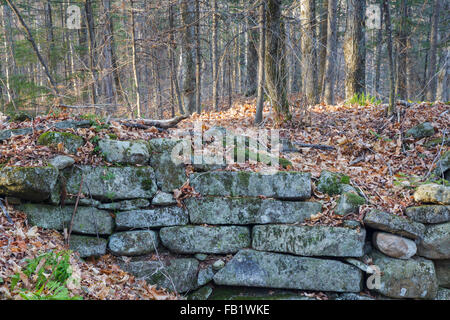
314	146
163	124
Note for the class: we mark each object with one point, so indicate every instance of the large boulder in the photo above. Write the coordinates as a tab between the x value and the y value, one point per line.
436	242
88	246
281	185
179	275
443	272
214	210
420	131
429	213
151	218
250	268
199	239
170	175
87	220
112	183
133	243
333	183
71	142
395	224
432	193
28	183
413	278
394	246
309	240
127	152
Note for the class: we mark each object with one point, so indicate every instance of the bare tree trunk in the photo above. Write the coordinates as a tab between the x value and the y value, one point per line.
261	63
275	64
107	51
215	59
322	44
187	16
198	61
252	53
92	49
402	88
443	89
134	59
432	77
330	63
309	53
173	70
9	51
378	53
50	36
391	108
355	49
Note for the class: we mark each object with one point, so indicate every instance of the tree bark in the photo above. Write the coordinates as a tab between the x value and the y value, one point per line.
252	52
432	77
261	63
187	16
402	50
391	107
309	53
329	77
323	37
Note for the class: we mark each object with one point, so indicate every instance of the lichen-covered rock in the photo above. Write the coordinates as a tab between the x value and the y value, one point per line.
62	162
129	152
151	218
353	296
332	183
170	175
241	293
28	183
282	185
178	275
214	210
443	272
86	221
112	183
394	224
201	294
70	141
429	213
432	193
205	276
125	205
443	165
394	246
250	268
88	246
349	202
133	243
9	133
420	131
435	243
413	278
309	240
443	294
163	199
198	239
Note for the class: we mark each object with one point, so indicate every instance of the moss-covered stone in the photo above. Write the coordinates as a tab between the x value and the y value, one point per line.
332	183
88	246
435	243
429	213
126	152
28	183
52	138
349	202
420	131
151	218
133	243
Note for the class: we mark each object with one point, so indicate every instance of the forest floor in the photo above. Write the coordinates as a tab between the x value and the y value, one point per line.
385	165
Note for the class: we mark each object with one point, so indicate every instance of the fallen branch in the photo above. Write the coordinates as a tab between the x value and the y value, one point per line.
96	106
5	212
314	146
147	123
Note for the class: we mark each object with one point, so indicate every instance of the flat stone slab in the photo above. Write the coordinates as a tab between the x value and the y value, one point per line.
88	246
112	183
435	244
178	275
281	185
309	240
412	278
151	218
443	272
133	243
394	246
214	210
395	224
198	239
429	213
250	268
163	199
432	193
129	152
125	205
28	183
87	220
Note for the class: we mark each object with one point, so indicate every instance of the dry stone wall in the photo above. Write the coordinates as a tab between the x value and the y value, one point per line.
242	237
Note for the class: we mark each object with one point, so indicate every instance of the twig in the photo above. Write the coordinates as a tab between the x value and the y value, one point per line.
314	146
5	211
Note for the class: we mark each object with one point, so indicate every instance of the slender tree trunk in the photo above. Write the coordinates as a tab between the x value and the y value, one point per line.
330	64
261	63
309	53
215	58
252	53
9	53
355	49
134	59
322	51
391	108
187	16
432	77
50	36
173	70
107	52
275	64
402	88
378	53
198	61
92	49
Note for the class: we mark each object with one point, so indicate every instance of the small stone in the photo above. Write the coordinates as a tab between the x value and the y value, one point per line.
201	294
394	246
125	205
429	213
349	202
201	256
163	199
360	265
88	246
395	224
443	294
435	244
133	243
62	162
420	131
353	296
205	276
217	265
432	193
332	183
